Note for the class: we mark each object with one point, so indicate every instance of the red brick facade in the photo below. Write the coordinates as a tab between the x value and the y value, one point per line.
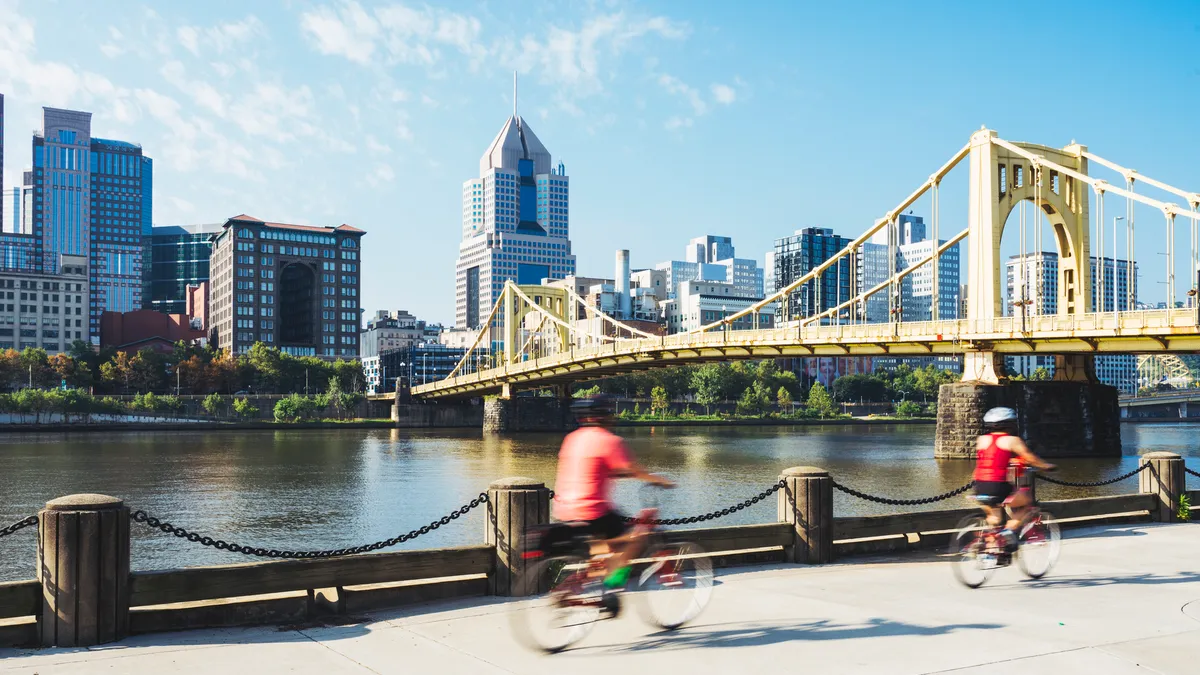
133	331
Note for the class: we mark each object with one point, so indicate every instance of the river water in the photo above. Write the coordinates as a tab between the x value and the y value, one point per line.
328	489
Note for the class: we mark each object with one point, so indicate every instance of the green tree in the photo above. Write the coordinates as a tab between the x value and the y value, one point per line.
1041	373
908	409
213	404
754	400
819	402
36	366
586	393
659	401
287	409
784	397
267	364
707	383
148	371
855	388
244	408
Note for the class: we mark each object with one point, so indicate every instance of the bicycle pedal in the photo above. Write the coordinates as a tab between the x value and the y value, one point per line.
610	604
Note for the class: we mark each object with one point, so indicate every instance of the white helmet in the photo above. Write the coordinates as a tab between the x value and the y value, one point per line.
1000	416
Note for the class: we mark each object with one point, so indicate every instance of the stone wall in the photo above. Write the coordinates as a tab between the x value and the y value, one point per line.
527	413
1057	419
437	415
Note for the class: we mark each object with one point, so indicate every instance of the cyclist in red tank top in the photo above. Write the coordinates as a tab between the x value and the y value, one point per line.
995	452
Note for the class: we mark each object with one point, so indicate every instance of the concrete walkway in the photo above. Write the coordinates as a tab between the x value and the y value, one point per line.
1122	600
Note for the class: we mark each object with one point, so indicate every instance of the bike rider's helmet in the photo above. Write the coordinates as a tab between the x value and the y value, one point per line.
1001	419
593	407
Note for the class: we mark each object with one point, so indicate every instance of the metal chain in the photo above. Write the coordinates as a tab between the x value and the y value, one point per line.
143	517
1098	483
903	502
720	513
1194	473
19	525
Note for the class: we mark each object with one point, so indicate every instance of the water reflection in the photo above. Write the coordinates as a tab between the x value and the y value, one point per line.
328	489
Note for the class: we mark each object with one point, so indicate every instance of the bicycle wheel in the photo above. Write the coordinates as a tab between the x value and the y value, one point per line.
563	604
674	583
1041	542
972	562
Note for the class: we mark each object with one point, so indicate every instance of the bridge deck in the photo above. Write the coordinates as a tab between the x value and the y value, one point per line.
1127	333
1122	600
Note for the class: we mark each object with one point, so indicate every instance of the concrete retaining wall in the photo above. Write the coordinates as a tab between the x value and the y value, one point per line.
527	413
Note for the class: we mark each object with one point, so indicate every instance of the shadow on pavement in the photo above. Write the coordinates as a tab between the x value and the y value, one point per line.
1131	579
757	634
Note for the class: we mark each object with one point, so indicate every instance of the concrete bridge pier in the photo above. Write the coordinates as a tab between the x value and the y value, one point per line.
516	414
1071	416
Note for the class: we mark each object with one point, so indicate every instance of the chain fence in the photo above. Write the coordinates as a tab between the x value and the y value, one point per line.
903	502
19	525
1191	472
1096	483
143	517
711	515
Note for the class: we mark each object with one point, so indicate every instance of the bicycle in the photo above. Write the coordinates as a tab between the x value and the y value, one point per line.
979	551
672	583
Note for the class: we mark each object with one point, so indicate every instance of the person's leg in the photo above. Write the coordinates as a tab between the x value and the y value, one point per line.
1017	507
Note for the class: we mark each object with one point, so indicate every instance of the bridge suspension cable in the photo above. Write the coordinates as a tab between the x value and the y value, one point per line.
835	259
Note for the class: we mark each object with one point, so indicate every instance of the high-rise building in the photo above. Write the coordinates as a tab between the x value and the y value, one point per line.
798	255
2	161
62	186
178	257
121	210
1032	290
698	303
516	222
294	287
389	330
712	258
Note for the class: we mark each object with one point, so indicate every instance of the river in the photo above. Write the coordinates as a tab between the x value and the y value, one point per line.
326	489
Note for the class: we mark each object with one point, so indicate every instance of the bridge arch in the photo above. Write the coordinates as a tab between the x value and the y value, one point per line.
1001	180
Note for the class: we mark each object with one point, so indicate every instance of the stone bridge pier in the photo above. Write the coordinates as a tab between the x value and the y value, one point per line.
1073	415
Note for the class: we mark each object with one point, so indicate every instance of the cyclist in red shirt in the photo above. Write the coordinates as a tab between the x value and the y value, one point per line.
995	451
590	458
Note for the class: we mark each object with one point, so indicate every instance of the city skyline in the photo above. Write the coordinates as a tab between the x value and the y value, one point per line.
310	114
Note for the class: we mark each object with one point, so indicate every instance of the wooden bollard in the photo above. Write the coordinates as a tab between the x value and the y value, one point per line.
514	505
83	564
806	502
1165	478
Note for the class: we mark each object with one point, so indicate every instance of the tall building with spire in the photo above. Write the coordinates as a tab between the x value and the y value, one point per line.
516	221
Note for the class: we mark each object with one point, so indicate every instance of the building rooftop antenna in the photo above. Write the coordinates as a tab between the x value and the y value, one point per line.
515	94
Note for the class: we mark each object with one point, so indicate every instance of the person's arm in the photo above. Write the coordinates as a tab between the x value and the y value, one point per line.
1018	446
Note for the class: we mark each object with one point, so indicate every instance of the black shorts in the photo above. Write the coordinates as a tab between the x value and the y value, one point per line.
993	493
609	526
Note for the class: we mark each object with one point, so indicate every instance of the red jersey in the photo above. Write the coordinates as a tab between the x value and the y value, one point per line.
589	459
991	461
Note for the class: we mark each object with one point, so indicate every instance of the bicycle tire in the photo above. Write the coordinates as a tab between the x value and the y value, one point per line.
663	581
554	596
967	551
1046	527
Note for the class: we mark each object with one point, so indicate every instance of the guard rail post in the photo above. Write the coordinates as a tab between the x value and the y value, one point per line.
806	503
1163	477
83	564
514	505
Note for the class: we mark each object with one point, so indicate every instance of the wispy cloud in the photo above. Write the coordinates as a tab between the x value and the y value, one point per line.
676	87
724	93
380	174
391	34
219	38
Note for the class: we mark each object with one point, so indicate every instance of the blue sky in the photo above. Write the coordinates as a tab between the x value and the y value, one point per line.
675	119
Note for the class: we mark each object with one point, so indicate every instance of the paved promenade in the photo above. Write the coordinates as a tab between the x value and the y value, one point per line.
1123	599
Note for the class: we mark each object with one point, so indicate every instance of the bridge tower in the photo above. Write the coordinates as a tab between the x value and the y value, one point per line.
1000	181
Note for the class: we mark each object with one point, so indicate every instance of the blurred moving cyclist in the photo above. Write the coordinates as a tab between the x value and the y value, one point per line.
995	451
590	458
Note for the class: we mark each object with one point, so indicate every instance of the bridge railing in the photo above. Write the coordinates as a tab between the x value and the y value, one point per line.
86	594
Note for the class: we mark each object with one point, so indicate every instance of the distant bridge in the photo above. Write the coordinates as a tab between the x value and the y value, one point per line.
533	338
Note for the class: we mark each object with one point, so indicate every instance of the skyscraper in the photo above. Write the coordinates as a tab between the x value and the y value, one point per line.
712	258
798	255
121	201
516	222
90	197
178	258
2	161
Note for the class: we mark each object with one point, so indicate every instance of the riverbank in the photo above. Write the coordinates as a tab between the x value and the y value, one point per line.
194	425
776	422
